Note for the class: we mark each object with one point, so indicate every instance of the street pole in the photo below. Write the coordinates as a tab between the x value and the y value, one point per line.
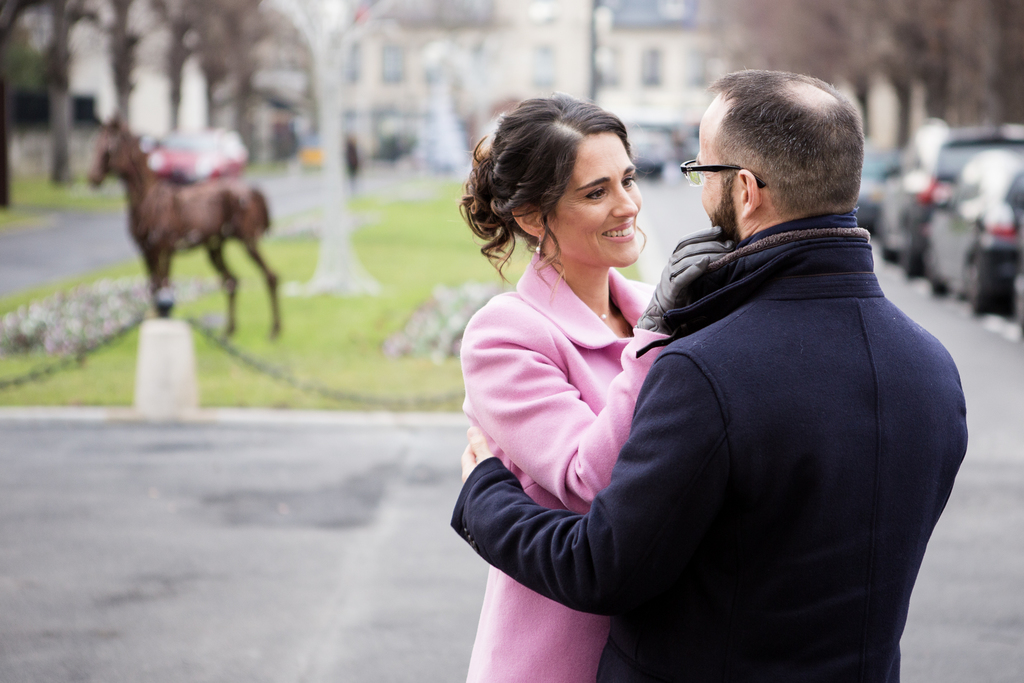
5	184
593	50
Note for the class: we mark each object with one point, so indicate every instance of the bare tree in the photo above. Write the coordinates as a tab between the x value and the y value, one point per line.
966	53
65	14
10	10
226	36
180	18
1008	17
329	27
124	41
213	51
247	27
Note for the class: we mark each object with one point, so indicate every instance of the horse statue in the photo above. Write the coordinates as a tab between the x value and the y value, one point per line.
164	218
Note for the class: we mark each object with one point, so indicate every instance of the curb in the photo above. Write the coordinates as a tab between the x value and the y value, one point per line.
237	416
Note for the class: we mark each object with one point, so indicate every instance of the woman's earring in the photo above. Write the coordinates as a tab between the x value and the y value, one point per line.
537	249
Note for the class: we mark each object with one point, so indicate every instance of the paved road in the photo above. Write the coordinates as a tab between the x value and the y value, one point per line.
67	244
62	245
276	553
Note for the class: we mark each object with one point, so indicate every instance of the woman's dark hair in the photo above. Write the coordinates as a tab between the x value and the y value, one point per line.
525	167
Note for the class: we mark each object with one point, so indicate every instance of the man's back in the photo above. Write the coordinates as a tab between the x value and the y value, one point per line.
839	454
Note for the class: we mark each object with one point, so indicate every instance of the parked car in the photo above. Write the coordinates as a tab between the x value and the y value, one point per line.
972	248
652	150
930	165
1018	282
879	166
189	157
902	187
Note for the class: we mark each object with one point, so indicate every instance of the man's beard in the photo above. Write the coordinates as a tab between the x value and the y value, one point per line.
724	215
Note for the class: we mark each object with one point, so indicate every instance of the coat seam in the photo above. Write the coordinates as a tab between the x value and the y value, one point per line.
874	499
722	403
712	454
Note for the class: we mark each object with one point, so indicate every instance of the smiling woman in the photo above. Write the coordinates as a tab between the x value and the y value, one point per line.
551	370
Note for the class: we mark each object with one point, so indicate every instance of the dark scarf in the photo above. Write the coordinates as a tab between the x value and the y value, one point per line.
733	279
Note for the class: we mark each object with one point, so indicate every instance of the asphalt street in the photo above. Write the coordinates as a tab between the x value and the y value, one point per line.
278	547
242	552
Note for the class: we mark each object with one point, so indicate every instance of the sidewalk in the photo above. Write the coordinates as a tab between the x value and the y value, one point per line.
238	416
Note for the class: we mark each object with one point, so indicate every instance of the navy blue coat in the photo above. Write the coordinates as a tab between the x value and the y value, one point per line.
787	463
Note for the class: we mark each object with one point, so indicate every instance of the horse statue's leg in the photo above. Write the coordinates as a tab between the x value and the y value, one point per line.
151	258
271	278
228	281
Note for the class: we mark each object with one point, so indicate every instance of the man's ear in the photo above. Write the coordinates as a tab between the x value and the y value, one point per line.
750	195
529	219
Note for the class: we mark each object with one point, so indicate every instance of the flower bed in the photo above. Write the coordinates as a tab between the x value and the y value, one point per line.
70	322
435	329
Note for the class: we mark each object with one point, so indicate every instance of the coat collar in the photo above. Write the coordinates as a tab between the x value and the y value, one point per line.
739	276
545	291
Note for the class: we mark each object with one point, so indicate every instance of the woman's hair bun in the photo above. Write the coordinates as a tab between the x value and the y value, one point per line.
525	167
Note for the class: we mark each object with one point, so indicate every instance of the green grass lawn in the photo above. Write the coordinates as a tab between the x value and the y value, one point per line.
409	245
413	246
79	195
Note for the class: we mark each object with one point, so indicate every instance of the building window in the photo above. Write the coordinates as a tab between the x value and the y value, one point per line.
543	11
354	63
672	9
543	66
695	70
650	68
607	66
393	64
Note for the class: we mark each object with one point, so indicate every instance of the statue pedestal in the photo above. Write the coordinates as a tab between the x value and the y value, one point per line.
166	387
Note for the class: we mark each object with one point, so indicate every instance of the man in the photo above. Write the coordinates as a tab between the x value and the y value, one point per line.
792	447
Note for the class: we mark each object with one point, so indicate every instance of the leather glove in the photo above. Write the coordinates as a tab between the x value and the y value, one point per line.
688	262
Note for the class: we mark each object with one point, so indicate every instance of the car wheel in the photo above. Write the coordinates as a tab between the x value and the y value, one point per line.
931	273
979	301
911	260
1018	301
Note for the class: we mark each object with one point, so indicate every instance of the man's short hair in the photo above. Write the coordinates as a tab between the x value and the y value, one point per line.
809	150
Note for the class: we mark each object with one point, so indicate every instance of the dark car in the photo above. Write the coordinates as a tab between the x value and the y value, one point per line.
879	166
972	248
930	165
189	157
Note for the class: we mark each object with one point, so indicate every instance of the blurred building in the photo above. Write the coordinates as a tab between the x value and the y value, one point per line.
428	79
648	60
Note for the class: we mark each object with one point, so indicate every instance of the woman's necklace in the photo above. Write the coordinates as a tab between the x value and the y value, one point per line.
611	307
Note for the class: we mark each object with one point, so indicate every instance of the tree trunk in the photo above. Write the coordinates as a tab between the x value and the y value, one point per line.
243	113
60	135
122	54
903	96
57	67
5	179
338	270
862	99
177	55
211	86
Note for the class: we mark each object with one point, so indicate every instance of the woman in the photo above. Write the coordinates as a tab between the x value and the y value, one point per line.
551	370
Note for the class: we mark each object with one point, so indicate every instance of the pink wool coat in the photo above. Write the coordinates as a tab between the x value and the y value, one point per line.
554	390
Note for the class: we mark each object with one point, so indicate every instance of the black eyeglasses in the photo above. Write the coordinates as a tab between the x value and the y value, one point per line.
695	173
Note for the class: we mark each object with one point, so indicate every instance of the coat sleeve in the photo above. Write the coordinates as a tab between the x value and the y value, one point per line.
667	488
521	391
